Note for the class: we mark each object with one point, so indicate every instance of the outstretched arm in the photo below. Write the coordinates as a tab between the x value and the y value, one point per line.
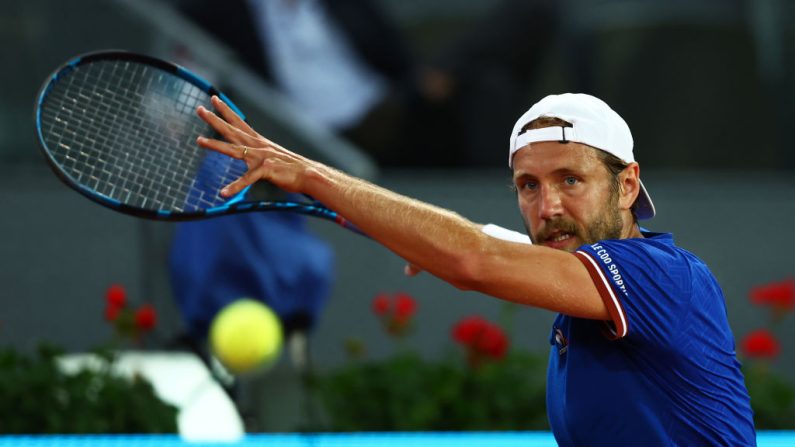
433	239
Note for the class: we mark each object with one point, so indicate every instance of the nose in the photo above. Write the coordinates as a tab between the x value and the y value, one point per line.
550	204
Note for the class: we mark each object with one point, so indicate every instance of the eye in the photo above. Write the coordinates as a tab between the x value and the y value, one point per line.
571	180
530	185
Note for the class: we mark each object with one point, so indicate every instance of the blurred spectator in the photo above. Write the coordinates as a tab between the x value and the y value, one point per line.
341	61
269	256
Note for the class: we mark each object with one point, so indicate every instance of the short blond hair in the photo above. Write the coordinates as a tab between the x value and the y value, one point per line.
545	121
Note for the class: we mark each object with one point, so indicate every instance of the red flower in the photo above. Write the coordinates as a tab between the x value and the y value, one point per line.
145	317
128	324
405	307
381	304
481	339
760	344
493	342
780	295
395	312
116	296
466	330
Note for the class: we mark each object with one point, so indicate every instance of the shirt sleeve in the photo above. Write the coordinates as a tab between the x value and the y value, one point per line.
645	287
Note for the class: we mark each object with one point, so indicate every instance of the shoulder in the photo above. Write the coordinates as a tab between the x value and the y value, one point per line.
650	284
652	259
657	248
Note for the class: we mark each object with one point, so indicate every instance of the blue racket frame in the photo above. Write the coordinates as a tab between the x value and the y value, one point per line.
236	204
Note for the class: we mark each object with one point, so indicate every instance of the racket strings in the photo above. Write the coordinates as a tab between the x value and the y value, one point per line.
128	130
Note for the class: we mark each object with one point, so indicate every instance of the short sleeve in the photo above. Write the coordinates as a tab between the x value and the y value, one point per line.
644	284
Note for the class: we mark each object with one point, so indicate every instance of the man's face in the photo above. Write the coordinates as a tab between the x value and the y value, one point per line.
565	196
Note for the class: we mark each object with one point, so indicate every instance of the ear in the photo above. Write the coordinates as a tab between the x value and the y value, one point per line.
629	183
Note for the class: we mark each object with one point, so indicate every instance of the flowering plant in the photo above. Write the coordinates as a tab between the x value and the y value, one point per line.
486	386
128	324
395	312
38	396
482	340
772	397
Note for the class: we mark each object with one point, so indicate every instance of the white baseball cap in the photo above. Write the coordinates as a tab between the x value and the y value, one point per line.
593	122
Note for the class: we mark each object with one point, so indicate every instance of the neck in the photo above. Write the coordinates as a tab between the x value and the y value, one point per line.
633	231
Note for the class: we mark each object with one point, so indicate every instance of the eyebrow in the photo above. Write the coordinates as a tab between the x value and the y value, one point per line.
556	172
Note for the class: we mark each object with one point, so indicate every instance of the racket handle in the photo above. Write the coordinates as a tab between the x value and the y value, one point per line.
341	221
318	210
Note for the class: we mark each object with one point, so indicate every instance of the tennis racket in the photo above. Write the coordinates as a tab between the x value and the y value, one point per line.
120	128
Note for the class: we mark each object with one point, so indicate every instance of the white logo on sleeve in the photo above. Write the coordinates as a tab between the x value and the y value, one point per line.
615	273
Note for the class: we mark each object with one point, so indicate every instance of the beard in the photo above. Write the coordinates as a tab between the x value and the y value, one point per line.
607	225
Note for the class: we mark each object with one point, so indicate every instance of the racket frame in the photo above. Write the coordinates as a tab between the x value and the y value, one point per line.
234	205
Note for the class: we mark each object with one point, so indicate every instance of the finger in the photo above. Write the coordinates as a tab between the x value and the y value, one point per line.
232	117
411	270
228	131
233	150
245	180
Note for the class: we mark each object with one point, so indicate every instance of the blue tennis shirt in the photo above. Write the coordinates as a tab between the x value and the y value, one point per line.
663	371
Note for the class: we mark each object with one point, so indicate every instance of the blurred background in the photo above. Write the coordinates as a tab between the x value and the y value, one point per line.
707	87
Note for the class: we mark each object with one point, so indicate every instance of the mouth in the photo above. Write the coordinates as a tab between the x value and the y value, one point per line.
558	239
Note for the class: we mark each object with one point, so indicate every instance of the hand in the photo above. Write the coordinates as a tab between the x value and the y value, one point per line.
265	159
411	270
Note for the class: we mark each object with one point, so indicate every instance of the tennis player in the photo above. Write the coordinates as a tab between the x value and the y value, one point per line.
641	350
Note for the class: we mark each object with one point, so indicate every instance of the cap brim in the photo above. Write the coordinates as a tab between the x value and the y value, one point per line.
644	207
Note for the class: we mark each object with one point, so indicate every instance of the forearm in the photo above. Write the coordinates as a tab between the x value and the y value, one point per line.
432	238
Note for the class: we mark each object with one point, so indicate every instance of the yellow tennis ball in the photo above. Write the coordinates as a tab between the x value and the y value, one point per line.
246	335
